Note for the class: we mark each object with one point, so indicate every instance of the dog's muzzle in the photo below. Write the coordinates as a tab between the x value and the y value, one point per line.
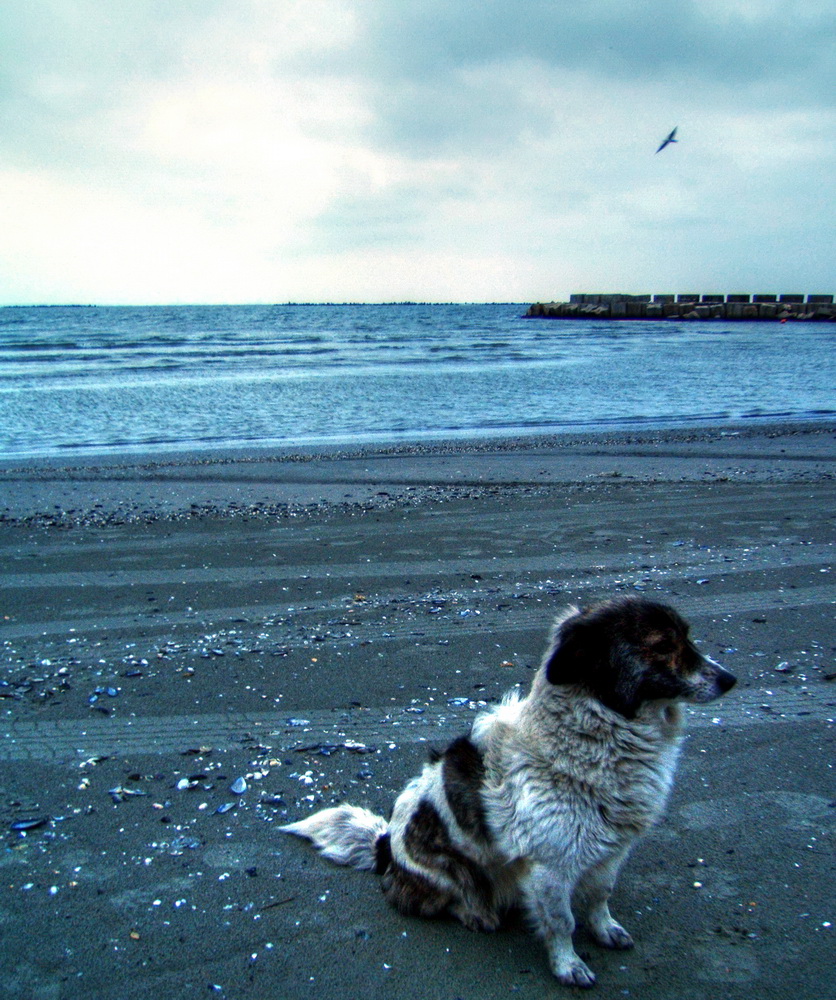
715	681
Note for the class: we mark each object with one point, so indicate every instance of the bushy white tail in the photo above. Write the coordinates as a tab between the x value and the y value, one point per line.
344	834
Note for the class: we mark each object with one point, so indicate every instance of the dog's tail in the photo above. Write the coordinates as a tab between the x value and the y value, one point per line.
347	835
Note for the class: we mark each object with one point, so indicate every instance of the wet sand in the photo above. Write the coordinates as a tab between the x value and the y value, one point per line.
314	622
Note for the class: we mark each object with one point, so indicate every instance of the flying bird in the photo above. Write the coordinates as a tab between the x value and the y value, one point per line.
668	140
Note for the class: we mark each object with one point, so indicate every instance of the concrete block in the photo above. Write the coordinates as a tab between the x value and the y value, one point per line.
737	297
664	298
691	297
820	298
764	298
618	310
653	310
635	310
791	298
713	298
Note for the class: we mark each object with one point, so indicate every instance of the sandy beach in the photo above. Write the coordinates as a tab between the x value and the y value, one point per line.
314	622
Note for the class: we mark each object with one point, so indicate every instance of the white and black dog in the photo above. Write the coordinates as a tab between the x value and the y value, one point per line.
541	803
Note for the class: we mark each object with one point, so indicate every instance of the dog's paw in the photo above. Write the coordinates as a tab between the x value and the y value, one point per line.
575	972
612	935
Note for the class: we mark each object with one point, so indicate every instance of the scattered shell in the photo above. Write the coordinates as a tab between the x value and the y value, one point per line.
326	749
95	759
29	824
225	807
239	786
183	843
120	793
111	692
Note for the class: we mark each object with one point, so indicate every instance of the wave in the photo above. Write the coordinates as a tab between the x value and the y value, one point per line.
203	377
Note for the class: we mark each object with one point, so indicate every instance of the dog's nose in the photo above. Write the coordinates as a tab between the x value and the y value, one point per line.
725	680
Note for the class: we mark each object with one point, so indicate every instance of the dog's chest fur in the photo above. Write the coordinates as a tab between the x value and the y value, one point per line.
562	772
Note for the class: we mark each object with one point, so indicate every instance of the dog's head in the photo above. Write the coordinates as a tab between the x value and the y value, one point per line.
630	651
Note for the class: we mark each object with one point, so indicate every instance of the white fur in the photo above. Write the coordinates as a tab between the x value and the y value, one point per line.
345	834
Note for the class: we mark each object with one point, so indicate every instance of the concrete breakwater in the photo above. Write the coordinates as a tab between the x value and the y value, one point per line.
689	306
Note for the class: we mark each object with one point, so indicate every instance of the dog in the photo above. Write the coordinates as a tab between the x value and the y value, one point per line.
540	805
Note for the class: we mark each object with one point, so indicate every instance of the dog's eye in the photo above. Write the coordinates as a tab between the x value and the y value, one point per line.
663	647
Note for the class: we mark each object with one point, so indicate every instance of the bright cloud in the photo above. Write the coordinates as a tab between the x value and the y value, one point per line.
338	150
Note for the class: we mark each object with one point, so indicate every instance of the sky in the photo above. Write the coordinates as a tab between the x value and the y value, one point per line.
188	151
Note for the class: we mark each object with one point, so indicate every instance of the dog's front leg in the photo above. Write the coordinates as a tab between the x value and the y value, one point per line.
592	903
548	893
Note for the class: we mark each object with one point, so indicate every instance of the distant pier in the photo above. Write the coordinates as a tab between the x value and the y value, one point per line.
809	308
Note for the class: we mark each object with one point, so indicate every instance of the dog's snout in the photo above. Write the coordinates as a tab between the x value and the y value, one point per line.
724	679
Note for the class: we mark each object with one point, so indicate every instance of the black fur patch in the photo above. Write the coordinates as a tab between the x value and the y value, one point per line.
428	843
413	894
382	853
463	772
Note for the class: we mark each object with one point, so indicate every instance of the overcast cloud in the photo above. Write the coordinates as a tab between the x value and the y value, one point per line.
328	150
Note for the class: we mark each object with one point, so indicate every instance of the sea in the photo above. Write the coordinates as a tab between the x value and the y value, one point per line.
77	381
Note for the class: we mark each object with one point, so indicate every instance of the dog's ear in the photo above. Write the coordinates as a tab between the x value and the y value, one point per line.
623	693
587	655
577	651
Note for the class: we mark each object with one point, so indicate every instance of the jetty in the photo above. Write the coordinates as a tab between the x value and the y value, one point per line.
809	308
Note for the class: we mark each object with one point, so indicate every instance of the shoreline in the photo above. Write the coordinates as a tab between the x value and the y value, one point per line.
700	430
268	482
430	443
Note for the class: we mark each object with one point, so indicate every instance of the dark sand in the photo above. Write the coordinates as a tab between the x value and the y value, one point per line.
314	623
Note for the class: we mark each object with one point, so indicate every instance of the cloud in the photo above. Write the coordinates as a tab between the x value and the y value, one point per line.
726	40
407	148
457	76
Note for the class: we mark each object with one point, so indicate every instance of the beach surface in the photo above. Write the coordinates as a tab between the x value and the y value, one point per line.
313	623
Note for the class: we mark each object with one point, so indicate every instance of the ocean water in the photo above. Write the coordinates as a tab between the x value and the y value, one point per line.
82	380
